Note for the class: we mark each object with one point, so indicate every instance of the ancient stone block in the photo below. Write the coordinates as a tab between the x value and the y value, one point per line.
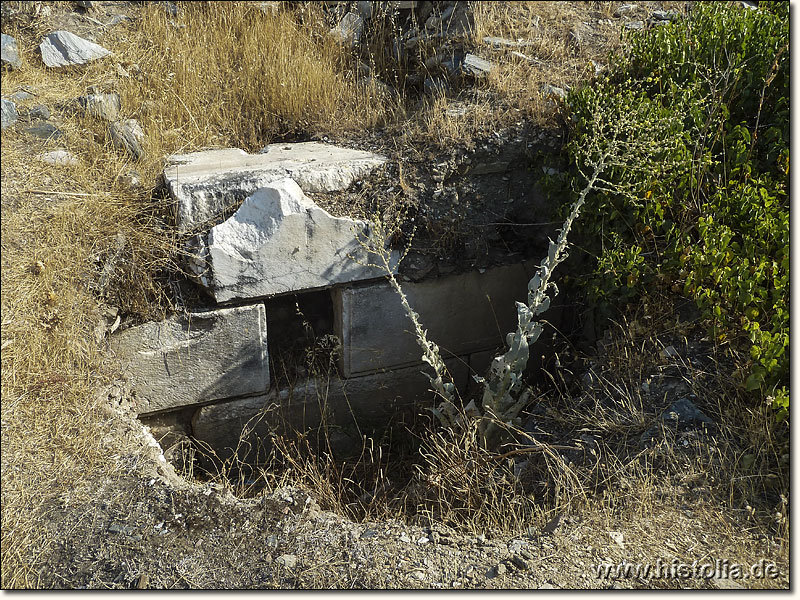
279	241
207	184
185	361
462	313
359	404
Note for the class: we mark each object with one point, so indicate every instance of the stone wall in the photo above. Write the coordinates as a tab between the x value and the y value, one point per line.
213	367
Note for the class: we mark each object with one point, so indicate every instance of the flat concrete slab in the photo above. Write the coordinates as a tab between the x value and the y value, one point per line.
279	241
463	314
208	184
186	361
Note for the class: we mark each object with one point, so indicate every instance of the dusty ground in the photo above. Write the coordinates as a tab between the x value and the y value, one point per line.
134	523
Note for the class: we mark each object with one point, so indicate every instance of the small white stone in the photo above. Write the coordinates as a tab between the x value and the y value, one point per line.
60	158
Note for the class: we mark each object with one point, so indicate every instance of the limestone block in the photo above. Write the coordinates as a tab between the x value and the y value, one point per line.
360	403
186	361
62	48
463	314
208	184
279	241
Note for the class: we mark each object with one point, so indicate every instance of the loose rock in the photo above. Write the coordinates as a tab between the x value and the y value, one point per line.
349	29
476	66
58	157
287	560
102	106
39	111
62	48
45	131
551	90
128	135
9	55
9	113
680	415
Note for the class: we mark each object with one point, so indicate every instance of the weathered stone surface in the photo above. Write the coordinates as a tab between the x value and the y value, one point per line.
206	184
45	131
102	106
209	356
476	66
9	113
58	157
62	48
9	53
355	404
127	135
463	314
551	90
21	96
279	241
40	111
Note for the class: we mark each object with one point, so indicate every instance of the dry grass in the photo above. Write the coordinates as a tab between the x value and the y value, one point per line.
231	76
236	76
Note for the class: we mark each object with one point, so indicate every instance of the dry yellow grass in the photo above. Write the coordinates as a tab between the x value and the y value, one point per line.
232	75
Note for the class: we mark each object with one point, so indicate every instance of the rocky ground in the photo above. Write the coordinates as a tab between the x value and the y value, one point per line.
137	523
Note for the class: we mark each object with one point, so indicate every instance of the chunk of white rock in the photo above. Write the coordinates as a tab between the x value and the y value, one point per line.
207	184
184	361
279	241
62	48
58	157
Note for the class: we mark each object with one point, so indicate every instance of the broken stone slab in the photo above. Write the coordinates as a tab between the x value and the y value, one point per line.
184	361
128	136
207	184
9	53
62	49
476	66
279	241
462	313
8	116
360	403
101	106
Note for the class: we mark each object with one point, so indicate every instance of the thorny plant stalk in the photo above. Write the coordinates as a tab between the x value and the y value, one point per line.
383	257
614	147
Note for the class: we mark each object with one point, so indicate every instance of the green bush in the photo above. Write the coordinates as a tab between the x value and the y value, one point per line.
707	213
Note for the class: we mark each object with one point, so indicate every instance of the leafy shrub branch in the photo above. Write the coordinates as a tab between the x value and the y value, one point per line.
706	213
615	147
